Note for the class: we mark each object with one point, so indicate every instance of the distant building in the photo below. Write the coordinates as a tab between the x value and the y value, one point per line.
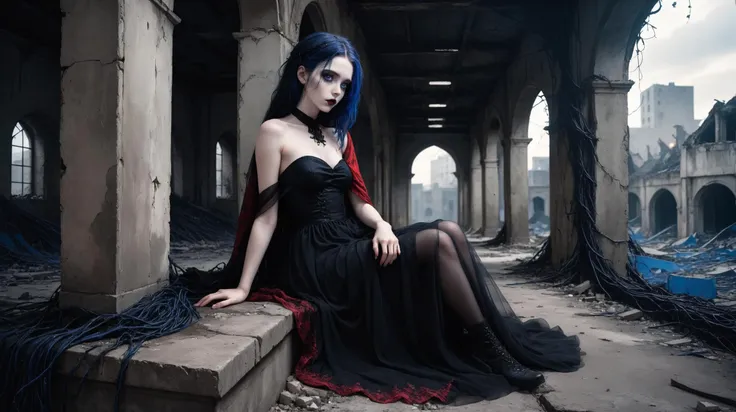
690	186
442	172
663	109
439	200
538	180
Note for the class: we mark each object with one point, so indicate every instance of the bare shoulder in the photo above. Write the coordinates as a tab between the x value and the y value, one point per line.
271	134
273	128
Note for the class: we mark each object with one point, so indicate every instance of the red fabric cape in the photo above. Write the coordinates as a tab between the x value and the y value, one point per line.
303	310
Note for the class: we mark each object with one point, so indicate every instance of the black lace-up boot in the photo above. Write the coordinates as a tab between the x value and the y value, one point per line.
492	351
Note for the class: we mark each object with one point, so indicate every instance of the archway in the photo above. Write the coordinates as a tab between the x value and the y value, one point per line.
204	100
715	208
312	21
663	210
538	212
434	189
634	208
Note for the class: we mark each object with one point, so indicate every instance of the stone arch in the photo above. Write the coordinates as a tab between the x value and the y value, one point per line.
522	111
538	204
620	24
662	211
441	200
312	20
634	207
715	208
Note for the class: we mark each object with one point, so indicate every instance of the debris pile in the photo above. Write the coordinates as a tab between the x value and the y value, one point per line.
698	265
26	239
299	397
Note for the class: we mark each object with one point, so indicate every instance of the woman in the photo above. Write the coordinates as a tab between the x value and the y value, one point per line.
397	314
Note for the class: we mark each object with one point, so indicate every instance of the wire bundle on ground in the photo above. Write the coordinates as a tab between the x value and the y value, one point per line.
192	223
712	323
25	238
33	336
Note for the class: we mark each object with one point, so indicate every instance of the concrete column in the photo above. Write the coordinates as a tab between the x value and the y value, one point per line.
116	59
517	190
460	220
476	195
612	171
720	126
491	222
262	50
400	200
644	211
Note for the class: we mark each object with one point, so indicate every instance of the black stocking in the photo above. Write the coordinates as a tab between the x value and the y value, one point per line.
437	244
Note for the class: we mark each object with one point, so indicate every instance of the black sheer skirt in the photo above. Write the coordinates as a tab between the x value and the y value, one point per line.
393	333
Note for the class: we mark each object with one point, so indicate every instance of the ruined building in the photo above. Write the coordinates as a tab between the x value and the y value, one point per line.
690	186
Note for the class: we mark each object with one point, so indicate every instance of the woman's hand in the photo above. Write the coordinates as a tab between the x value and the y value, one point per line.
228	297
387	242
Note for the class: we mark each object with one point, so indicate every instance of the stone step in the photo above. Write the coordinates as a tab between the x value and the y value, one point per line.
233	359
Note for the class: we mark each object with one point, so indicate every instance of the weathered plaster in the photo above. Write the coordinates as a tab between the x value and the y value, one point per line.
115	143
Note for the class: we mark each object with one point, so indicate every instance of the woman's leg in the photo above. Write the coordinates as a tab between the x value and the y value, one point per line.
444	248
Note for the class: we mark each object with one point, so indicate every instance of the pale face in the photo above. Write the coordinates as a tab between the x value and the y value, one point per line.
325	87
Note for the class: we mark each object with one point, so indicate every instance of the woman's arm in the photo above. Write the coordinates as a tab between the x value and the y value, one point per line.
384	237
366	212
268	159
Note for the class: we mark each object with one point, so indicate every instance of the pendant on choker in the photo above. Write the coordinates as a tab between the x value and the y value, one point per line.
313	127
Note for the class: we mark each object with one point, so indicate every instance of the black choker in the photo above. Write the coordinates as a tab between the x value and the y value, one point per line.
315	131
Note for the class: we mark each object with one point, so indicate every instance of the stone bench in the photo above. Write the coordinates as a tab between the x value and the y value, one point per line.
233	359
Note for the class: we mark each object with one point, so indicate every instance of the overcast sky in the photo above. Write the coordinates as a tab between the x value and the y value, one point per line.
699	52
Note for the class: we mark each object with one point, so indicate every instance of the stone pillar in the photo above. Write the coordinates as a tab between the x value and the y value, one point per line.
116	59
261	52
517	190
476	196
491	222
645	210
612	170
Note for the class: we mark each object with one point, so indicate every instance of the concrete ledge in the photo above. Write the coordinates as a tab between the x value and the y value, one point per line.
205	367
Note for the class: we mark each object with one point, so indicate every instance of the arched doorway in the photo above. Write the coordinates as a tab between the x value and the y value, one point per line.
634	208
538	212
663	211
434	190
715	208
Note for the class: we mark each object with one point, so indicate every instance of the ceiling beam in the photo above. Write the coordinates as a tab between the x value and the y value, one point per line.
474	74
418	5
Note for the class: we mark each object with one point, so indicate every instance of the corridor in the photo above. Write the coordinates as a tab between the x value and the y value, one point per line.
128	128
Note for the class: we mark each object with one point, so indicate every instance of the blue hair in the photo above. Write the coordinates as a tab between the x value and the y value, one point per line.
313	50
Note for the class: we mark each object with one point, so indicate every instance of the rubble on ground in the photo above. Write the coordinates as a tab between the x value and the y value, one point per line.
664	334
698	265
